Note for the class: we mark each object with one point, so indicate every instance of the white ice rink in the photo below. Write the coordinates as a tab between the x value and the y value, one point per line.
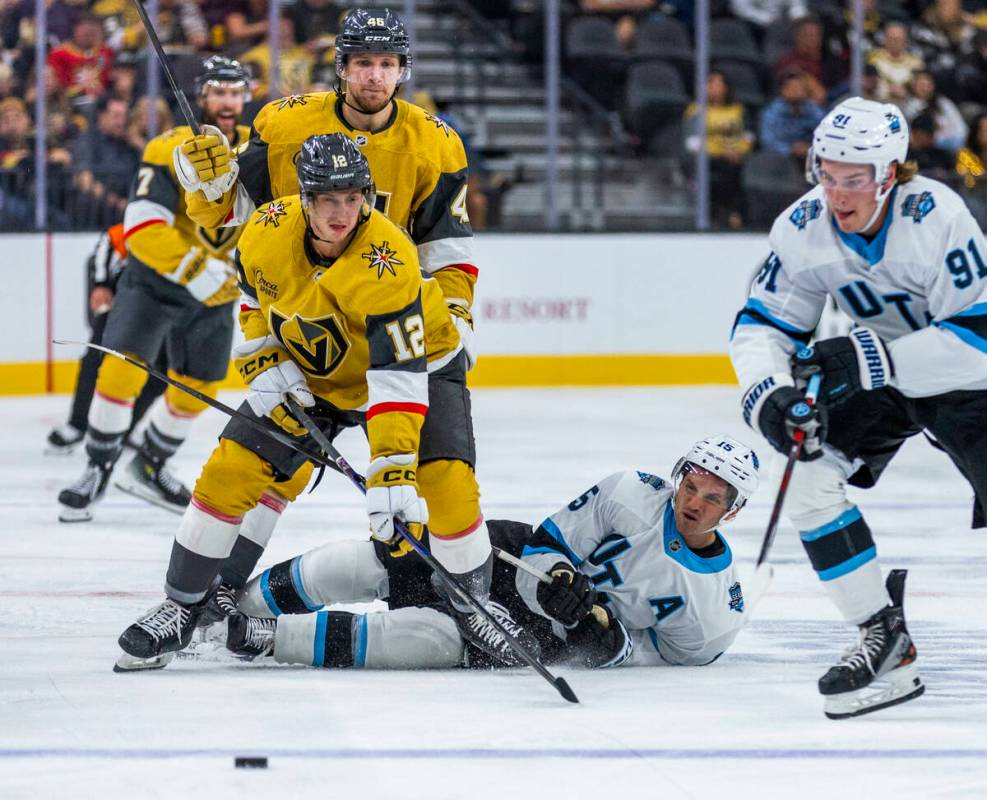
750	725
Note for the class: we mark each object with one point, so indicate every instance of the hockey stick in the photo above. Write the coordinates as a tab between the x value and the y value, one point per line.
183	104
343	466
520	564
763	571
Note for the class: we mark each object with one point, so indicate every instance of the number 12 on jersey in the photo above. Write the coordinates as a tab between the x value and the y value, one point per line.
410	342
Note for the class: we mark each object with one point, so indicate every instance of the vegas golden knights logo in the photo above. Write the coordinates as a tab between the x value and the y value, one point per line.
217	239
318	345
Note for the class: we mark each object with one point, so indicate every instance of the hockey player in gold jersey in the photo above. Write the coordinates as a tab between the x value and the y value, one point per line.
336	315
417	160
176	293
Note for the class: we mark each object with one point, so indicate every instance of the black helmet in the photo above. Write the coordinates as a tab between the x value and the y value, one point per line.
331	162
220	69
373	31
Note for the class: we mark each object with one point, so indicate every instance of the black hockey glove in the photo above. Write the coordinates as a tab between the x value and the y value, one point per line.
849	364
784	411
600	640
569	597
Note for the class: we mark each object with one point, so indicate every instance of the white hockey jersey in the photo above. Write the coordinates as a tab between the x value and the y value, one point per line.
678	607
921	284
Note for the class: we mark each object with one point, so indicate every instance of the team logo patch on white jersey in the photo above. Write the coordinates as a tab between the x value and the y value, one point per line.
736	598
652	480
918	206
383	258
807	211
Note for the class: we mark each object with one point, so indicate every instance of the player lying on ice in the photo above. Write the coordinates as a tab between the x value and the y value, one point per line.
639	575
902	255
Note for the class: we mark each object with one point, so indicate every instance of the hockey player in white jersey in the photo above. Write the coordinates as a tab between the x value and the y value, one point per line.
904	258
639	575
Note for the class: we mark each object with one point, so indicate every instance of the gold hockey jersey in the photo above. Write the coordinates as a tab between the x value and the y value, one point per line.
365	330
417	161
157	228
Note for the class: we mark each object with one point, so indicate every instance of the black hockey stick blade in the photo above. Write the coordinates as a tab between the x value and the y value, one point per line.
283	438
331	452
152	36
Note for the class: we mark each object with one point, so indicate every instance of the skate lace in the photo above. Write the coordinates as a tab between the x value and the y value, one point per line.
164	618
86	485
260	633
169	482
226	598
487	632
868	649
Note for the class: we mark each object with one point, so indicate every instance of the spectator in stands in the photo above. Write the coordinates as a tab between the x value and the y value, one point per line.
943	36
105	165
625	13
935	161
8	84
65	121
728	143
295	63
806	56
180	26
18	21
316	24
971	76
870	83
138	129
896	62
123	77
971	166
787	122
761	13
950	128
246	24
82	65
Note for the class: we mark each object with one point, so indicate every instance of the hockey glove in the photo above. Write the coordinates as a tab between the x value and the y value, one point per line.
569	597
211	281
849	364
205	163
463	320
271	376
392	493
776	409
599	641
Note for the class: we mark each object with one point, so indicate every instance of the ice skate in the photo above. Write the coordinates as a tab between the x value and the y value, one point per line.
78	499
154	483
64	440
250	637
164	629
495	650
880	671
128	663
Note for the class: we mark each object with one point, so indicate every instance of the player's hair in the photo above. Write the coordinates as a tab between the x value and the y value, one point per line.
905	172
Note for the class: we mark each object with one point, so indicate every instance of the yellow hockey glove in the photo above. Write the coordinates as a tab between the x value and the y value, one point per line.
463	320
271	377
211	281
392	493
205	163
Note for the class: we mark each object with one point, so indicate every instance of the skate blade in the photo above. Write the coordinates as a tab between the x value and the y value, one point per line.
129	663
69	514
64	450
148	496
898	686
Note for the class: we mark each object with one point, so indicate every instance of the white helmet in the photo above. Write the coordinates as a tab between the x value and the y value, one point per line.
860	131
726	458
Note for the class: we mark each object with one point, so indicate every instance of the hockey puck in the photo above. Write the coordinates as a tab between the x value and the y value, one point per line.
250	762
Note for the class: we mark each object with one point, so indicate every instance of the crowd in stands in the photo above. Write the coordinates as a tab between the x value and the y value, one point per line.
777	67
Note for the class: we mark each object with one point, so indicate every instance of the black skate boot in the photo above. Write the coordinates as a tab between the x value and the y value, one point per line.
250	637
881	670
218	605
166	628
486	646
64	439
78	499
151	481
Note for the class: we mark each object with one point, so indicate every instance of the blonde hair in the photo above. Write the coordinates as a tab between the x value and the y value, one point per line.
905	172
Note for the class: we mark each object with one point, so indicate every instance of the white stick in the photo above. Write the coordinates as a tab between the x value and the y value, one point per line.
503	555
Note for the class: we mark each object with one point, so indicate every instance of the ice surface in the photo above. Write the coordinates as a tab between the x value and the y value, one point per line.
750	725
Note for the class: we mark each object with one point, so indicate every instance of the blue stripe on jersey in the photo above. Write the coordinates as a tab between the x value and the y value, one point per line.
756	305
978	310
265	591
873	250
530	551
319	645
296	580
846	518
360	641
965	335
553	531
683	555
849	565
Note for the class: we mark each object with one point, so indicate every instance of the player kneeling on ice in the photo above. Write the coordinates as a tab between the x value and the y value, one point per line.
902	255
633	571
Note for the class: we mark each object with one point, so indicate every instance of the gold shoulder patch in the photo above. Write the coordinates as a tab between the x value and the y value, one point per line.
293	100
383	258
271	213
441	124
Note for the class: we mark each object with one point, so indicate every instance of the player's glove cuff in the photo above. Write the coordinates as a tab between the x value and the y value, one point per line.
858	362
755	397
